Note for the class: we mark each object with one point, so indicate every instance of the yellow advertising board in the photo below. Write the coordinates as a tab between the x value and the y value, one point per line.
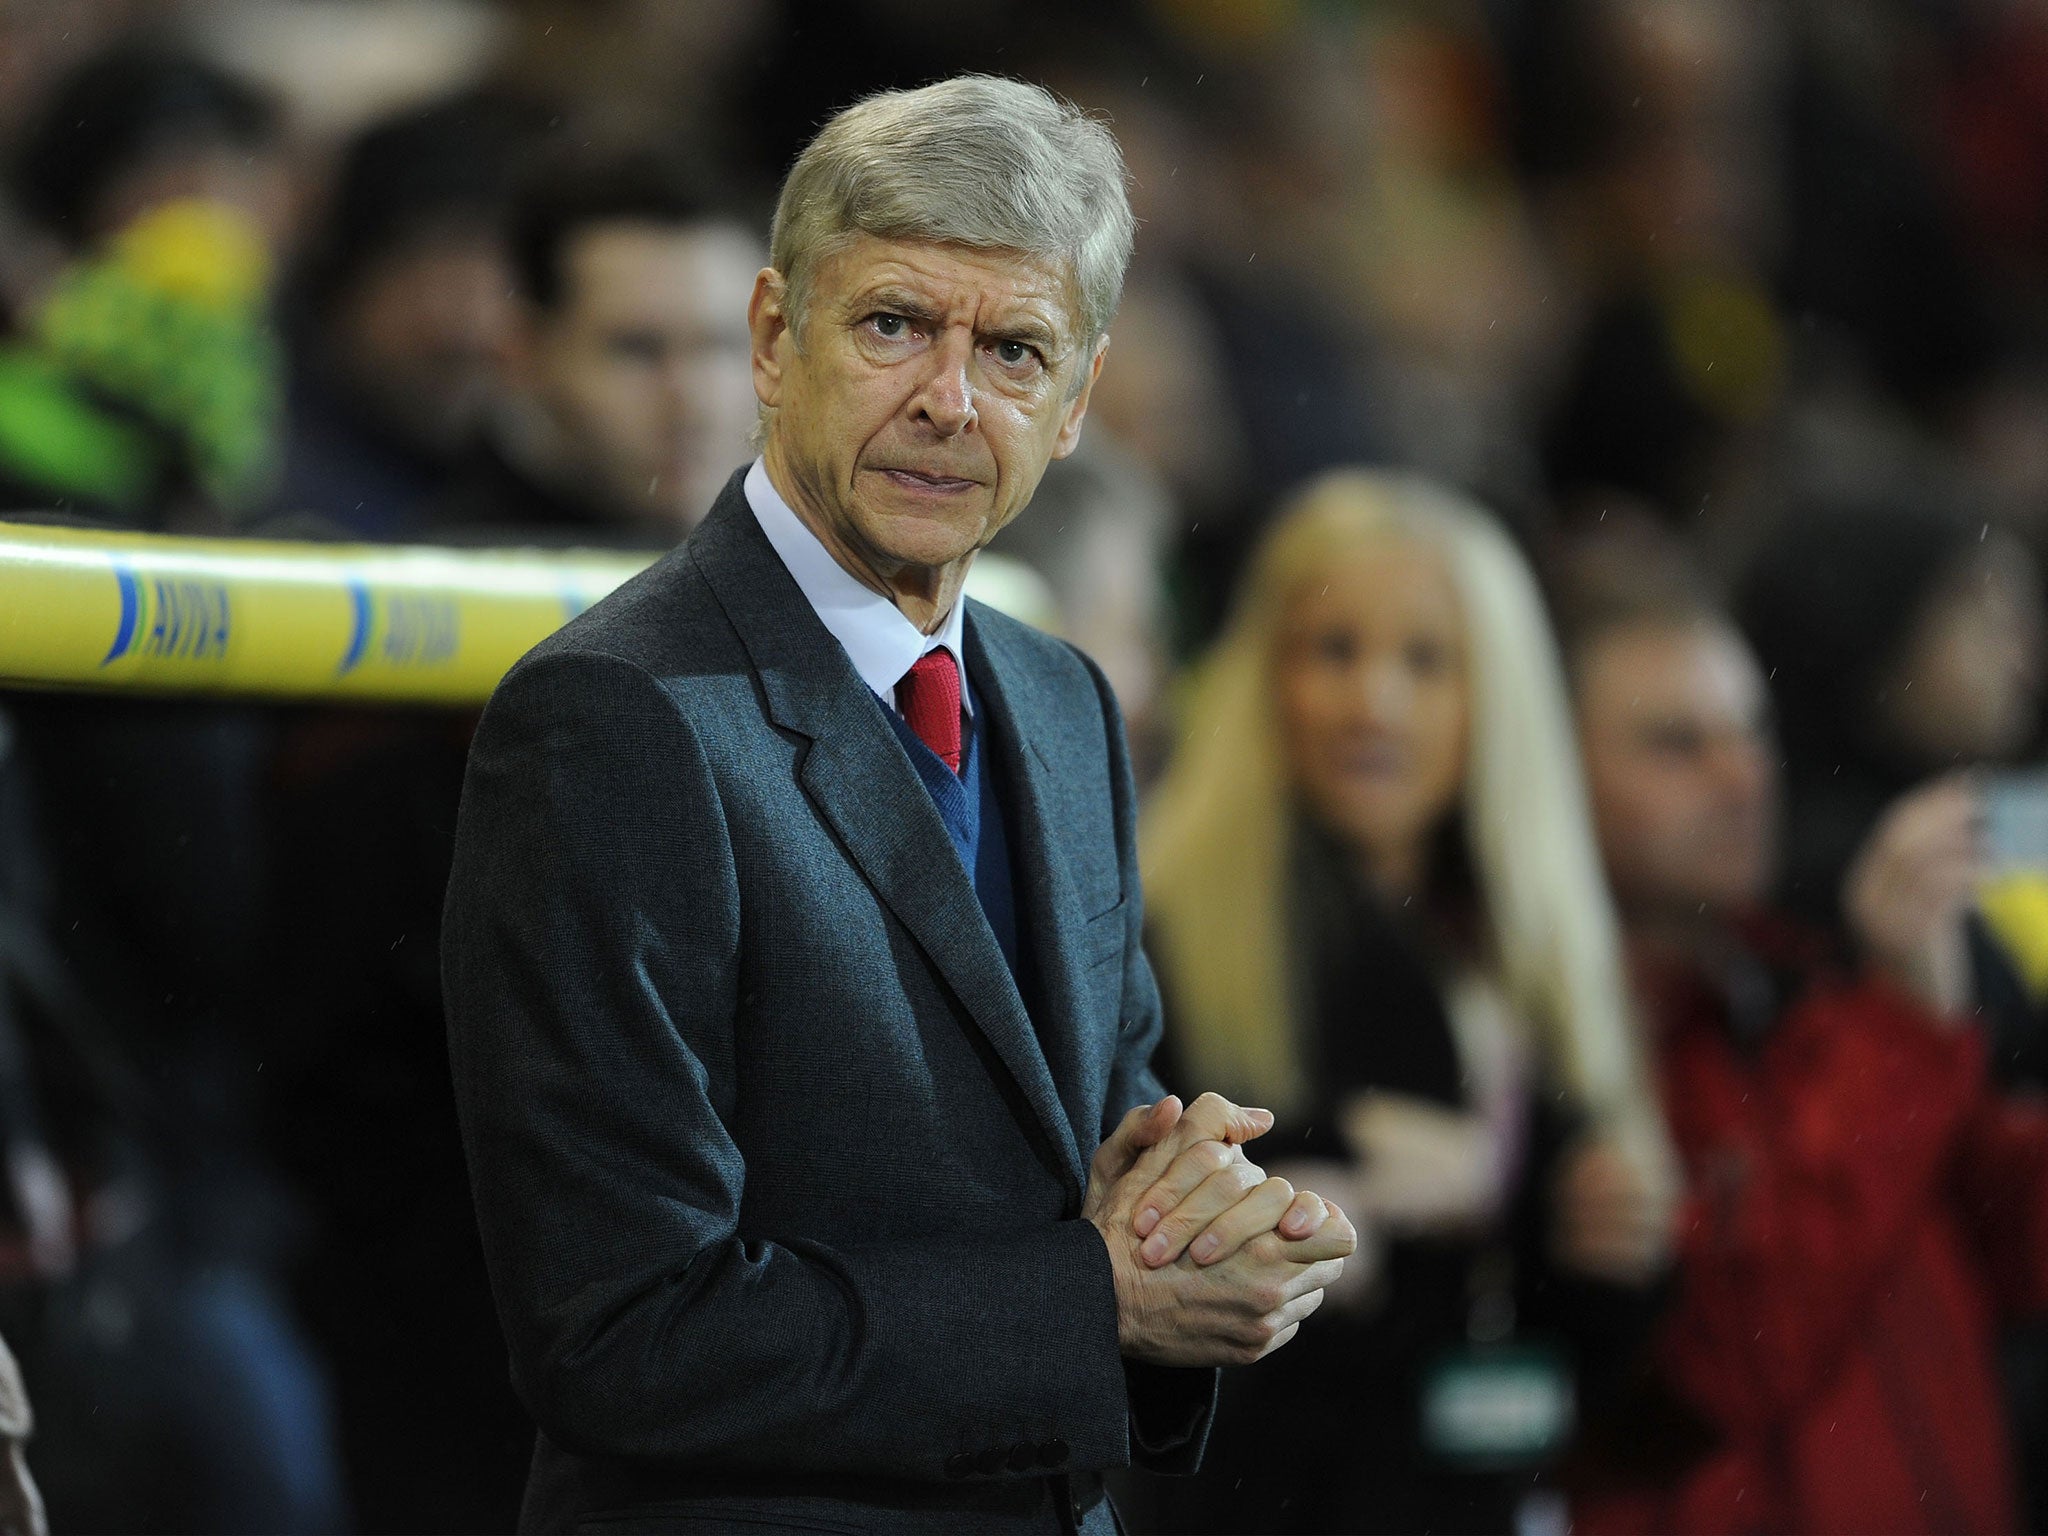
168	614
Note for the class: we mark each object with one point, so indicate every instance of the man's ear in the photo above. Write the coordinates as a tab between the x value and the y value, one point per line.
769	333
1077	408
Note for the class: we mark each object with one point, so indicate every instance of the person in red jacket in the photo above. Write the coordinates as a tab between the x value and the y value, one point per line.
1862	1207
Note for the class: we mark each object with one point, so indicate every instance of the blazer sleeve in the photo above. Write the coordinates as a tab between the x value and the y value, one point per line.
1171	1408
590	957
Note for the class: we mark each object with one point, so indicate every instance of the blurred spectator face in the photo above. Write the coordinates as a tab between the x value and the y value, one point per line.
1167	399
254	183
1967	686
642	365
1697	156
1374	704
137	126
422	332
1673	727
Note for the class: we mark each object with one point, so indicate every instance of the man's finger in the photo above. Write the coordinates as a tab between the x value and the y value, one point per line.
1210	1118
1337	1238
1155	1120
1222	1191
1254	1217
1315	1277
1263	1210
1280	1340
1305	1217
1214	1116
1302	1307
1143	1127
1172	1181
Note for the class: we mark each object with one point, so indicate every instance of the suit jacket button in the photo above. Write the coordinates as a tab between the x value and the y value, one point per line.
1023	1456
960	1464
990	1461
1053	1453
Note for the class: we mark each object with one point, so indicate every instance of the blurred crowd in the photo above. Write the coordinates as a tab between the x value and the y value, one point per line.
1564	512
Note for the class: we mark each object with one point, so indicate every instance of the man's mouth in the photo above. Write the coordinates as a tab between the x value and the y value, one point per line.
928	484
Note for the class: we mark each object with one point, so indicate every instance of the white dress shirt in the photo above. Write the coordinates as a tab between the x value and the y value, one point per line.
878	639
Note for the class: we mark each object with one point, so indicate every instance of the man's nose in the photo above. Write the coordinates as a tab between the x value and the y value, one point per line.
945	395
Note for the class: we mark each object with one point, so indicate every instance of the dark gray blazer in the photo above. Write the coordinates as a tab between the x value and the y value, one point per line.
779	1172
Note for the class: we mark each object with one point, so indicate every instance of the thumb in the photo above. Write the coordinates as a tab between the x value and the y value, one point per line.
1160	1119
1143	1127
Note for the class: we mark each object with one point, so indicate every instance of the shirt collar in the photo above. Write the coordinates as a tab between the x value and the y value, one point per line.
881	643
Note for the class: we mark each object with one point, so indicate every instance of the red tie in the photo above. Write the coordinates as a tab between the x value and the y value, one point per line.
929	700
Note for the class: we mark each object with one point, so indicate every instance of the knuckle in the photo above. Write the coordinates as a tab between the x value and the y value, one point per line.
1176	1229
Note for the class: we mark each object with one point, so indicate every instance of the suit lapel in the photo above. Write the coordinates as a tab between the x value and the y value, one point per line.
1048	900
857	775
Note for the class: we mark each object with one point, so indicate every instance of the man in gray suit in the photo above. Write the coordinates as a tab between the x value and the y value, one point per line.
799	1021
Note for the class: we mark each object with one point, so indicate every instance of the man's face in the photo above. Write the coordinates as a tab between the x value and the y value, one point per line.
642	367
1673	721
930	388
422	334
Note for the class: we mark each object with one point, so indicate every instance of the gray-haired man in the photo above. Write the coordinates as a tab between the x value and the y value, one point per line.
796	1004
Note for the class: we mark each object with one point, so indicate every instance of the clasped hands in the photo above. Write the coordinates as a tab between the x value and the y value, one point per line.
1214	1262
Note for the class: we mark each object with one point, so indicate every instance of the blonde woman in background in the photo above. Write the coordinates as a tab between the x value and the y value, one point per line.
1376	908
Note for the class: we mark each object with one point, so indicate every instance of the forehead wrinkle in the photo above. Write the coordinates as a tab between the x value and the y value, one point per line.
1024	296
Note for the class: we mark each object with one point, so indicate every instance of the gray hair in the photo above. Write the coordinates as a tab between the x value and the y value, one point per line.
976	160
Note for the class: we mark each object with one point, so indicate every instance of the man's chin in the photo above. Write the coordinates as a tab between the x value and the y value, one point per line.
926	536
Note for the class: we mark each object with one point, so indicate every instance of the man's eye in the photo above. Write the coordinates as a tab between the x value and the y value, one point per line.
889	327
1014	354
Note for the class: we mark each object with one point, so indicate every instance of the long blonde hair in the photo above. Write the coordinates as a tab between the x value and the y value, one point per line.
1215	838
